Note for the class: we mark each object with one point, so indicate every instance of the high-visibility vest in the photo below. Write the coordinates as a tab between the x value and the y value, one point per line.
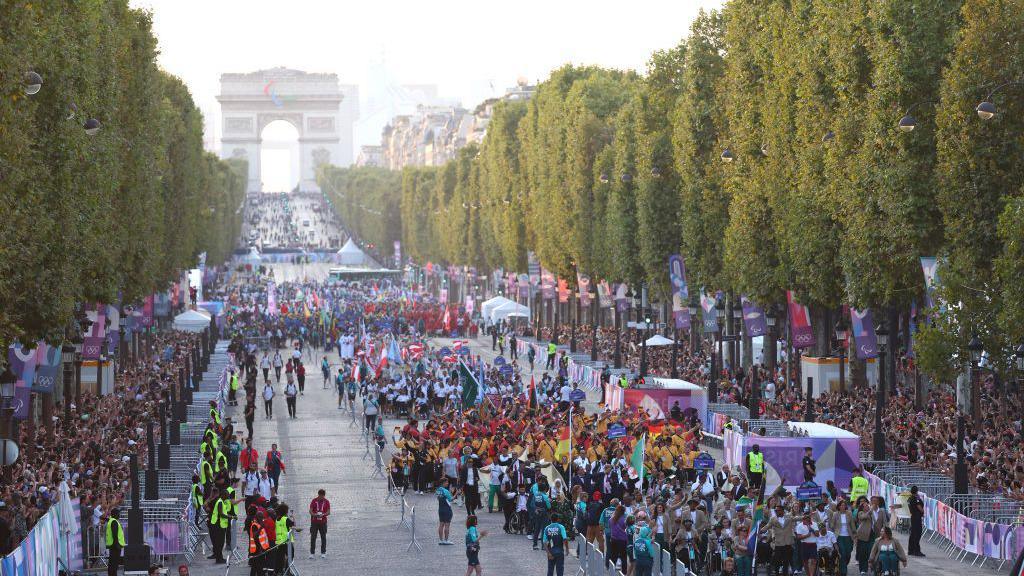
623	382
220	516
858	487
234	382
281	530
231	496
221	461
215	416
202	448
197	495
110	533
551	348
261	538
756	462
204	476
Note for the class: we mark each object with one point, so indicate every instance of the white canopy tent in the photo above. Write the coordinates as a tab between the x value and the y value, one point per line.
659	340
488	306
191	321
351	255
509	309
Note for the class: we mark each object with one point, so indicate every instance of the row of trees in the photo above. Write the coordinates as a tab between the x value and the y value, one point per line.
764	148
90	217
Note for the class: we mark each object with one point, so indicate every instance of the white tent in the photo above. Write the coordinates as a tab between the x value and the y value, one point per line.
659	340
488	306
191	321
351	254
509	309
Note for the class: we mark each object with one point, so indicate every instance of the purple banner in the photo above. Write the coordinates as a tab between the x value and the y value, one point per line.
708	314
147	312
929	265
37	369
621	301
864	333
524	286
680	292
753	318
94	339
533	267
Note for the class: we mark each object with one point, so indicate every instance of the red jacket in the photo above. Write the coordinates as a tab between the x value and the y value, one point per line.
248	457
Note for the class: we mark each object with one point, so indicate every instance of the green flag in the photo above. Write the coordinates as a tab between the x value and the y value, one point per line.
637	460
470	387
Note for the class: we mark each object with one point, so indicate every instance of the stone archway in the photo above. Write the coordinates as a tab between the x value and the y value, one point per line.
322	111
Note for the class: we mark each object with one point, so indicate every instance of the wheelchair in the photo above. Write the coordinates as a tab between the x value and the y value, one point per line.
828	561
876	567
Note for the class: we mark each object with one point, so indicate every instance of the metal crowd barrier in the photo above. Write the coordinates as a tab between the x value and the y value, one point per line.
988	507
772	428
735	411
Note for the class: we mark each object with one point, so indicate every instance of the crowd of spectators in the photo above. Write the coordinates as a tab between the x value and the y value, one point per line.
90	450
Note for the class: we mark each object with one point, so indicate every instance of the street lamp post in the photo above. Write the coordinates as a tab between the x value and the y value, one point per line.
713	383
882	335
643	347
734	330
7	383
960	483
595	309
841	335
67	357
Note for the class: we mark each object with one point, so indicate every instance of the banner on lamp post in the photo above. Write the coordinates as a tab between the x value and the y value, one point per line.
864	333
799	323
708	313
680	292
563	290
583	283
753	318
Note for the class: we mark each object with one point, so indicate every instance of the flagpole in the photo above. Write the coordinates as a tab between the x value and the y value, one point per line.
568	485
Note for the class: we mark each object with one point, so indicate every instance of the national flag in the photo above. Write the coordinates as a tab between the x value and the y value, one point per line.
637	460
655	428
533	393
355	371
752	539
447	320
470	386
415	350
383	362
562	449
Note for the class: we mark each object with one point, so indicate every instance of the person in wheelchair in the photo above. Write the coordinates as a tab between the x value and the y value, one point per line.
828	550
686	543
719	548
887	554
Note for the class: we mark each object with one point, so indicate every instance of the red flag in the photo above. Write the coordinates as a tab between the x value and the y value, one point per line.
533	393
447	320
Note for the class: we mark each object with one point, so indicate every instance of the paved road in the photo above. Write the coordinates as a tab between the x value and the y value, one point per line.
322	450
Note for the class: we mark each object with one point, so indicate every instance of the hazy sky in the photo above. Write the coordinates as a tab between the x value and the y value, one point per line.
463	46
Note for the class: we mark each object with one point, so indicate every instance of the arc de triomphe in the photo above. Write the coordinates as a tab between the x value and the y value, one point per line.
321	110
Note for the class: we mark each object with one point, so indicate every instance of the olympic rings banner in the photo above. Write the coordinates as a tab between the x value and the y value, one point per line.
989	539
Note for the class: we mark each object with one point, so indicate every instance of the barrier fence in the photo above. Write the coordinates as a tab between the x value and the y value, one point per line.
588	376
963	537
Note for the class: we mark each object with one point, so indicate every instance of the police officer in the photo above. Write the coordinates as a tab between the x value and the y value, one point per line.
755	466
114	541
916	505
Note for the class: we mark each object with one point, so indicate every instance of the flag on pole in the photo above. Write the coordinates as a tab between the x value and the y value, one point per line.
532	400
637	460
355	372
563	444
470	386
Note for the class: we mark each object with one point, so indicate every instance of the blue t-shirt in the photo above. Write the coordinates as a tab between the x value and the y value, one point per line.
472	536
554	534
443	497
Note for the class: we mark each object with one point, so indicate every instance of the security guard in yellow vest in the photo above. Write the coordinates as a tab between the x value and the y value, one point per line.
196	497
282	533
623	381
206	473
114	541
232	388
552	348
858	485
234	512
214	414
755	466
220	517
220	462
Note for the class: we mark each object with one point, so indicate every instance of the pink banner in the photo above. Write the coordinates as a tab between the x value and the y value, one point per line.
799	323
